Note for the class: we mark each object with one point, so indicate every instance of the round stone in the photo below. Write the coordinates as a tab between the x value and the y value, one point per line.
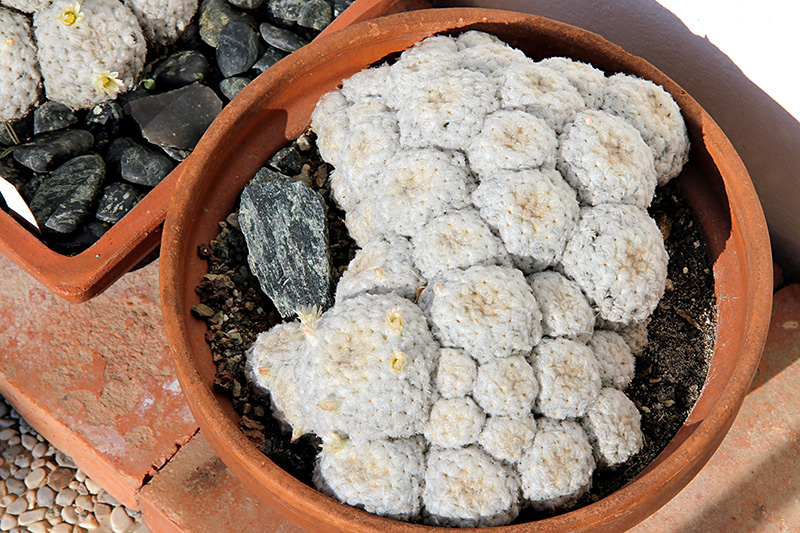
15	486
69	514
66	497
120	521
181	69
40	450
45	497
36	478
60	478
18	506
30	517
237	50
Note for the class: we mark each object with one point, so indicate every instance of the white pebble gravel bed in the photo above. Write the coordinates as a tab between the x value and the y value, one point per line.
41	489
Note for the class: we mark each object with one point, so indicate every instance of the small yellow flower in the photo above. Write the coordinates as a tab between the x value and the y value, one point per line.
394	320
332	442
308	315
71	17
399	361
107	82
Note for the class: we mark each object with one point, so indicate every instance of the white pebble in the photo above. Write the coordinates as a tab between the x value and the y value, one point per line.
29	517
18	506
22	473
89	522
63	527
53	515
84	501
6	500
39	527
8	522
80	475
66	497
7	423
120	521
8	433
40	450
105	497
38	463
74	485
36	478
102	510
29	441
69	514
31	497
45	497
15	486
5	473
93	486
15	440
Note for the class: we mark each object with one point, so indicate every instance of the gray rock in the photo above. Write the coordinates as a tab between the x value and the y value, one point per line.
315	14
48	150
28	190
237	50
177	118
113	157
190	38
286	230
280	38
247	4
176	153
340	5
266	174
116	201
230	87
52	116
143	165
181	69
104	121
64	460
213	15
285	12
271	56
64	197
288	160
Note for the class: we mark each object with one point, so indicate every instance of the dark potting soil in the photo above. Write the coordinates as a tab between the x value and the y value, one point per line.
669	373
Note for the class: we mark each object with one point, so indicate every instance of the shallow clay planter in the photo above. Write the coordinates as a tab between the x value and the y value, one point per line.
275	109
83	276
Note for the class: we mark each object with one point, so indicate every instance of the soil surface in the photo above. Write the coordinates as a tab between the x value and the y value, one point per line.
669	373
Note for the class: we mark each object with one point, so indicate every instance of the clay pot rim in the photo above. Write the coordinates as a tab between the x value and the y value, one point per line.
693	452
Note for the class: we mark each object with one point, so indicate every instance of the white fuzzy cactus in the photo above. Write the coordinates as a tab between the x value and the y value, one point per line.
506	387
26	6
459	239
614	358
20	82
369	83
383	265
652	111
488	311
466	487
454	422
382	476
569	378
533	211
436	55
565	310
557	468
162	21
507	438
330	123
371	360
635	335
88	53
589	81
605	159
618	258
455	373
487	54
613	425
542	91
416	186
512	140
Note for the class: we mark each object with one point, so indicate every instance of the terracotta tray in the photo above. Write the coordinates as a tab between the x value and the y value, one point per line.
83	276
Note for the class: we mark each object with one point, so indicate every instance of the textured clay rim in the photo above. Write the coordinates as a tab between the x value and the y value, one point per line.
743	265
83	276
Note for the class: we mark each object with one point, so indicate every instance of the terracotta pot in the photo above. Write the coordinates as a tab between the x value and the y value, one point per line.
275	109
83	276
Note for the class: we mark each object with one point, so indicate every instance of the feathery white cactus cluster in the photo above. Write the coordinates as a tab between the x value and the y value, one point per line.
20	82
89	52
26	6
462	168
162	22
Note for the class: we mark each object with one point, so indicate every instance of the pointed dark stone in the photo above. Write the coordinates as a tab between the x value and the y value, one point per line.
181	69
280	38
266	174
105	121
64	197
52	116
177	118
213	15
269	58
48	150
315	15
230	87
286	230
288	160
144	165
116	200
237	49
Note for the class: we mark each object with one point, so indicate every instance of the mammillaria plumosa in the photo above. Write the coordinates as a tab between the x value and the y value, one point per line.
509	387
162	22
20	82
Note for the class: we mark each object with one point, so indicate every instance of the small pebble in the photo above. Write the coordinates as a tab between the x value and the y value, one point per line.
13	441
69	514
65	460
37	463
8	522
18	506
45	497
89	522
101	510
39	450
21	473
84	501
36	478
66	497
39	527
7	434
23	461
29	517
15	486
60	478
29	441
105	497
120	521
93	486
63	527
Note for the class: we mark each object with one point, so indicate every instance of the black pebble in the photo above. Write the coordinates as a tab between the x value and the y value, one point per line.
116	201
48	150
52	116
237	50
181	69
230	87
281	39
